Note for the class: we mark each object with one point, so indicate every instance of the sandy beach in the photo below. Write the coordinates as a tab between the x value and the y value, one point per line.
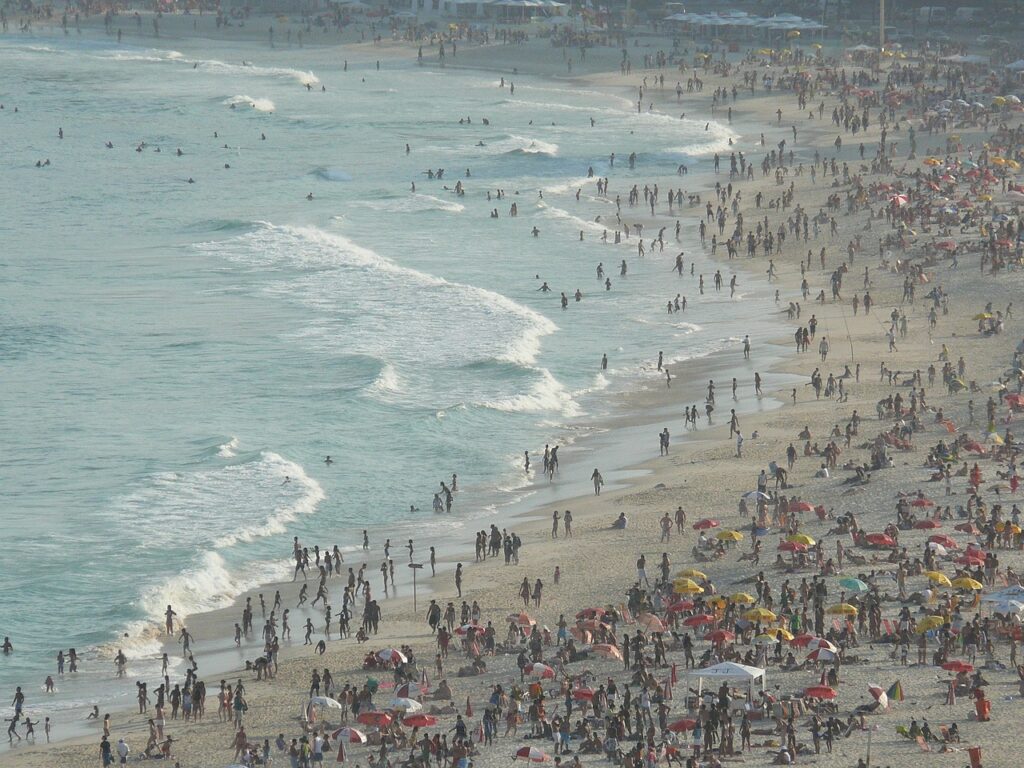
703	475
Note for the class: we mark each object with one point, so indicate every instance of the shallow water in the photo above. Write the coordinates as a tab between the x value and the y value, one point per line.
178	358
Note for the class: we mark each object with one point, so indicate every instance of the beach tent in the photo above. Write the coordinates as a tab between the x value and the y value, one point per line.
729	671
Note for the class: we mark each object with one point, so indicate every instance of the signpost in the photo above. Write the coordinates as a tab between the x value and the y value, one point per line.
415	567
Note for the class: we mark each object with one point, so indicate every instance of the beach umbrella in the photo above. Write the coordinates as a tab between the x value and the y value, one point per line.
408	691
759	614
929	623
591	613
532	754
540	671
778	632
852	584
681	605
920	501
408	706
705	524
842	609
821	644
802	506
699	620
802	640
1007	606
756	496
392	655
419	721
937	548
349	735
927	524
965	582
943	539
686	586
583	694
880	539
955	665
691	573
932	161
821	654
938	577
729	536
379	719
820	692
466	628
720	636
593	624
801	538
685	724
792	546
650	622
880	695
764	639
607	651
717	601
966	528
326	701
742	597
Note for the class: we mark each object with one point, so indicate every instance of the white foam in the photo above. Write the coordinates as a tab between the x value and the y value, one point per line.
388	382
215	65
319	252
548	394
412	203
206	586
260	105
228	450
309	496
563	216
523	144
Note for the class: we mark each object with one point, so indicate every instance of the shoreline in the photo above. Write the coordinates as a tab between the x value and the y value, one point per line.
641	475
636	405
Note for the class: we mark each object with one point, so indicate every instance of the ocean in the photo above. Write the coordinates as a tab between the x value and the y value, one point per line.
178	358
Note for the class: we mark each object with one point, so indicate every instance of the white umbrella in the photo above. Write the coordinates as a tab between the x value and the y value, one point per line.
409	706
326	701
938	548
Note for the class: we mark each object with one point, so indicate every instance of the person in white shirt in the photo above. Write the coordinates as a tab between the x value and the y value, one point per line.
123	751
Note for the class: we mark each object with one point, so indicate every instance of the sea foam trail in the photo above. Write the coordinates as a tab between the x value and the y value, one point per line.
229	449
260	105
330	261
214	65
548	394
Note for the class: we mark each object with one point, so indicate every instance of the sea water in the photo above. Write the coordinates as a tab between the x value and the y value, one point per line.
177	359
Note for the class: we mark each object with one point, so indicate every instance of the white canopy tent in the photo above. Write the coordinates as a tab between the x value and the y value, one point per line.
729	671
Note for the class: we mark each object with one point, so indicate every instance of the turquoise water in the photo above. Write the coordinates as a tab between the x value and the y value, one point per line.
172	352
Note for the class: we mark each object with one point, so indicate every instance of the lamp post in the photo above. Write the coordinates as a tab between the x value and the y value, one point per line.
415	567
881	24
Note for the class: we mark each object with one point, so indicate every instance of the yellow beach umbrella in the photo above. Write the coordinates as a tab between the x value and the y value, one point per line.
759	614
801	538
741	597
716	602
729	536
778	632
998	161
929	623
937	577
686	587
691	573
932	161
842	609
965	582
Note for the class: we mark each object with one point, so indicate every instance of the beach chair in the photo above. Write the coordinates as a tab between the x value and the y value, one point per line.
836	625
923	745
627	617
889	629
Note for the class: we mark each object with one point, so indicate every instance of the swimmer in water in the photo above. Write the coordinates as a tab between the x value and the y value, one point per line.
287	480
328	460
309	196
